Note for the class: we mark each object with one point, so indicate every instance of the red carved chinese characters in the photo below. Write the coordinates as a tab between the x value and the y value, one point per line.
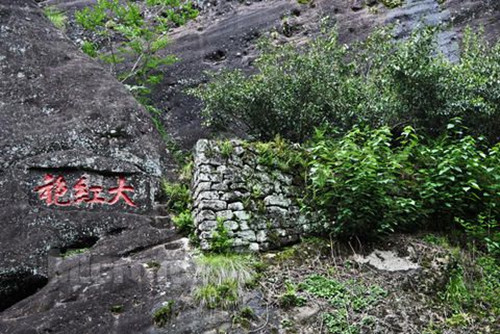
60	189
45	191
55	191
120	192
81	190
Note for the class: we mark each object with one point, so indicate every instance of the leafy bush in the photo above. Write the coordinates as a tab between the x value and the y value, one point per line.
355	182
369	182
57	17
472	290
184	221
290	298
377	82
221	241
163	314
178	196
293	93
179	205
486	230
457	177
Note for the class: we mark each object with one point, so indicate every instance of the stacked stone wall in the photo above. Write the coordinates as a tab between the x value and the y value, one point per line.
256	204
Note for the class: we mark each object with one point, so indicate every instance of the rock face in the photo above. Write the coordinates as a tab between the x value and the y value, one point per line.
255	203
80	158
79	166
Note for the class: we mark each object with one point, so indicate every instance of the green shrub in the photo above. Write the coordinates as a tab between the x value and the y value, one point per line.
221	241
294	92
392	3
370	181
226	149
377	82
457	177
184	222
290	298
57	17
354	182
163	315
89	48
472	291
485	229
178	197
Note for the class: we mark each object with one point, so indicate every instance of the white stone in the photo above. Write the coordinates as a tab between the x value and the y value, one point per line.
277	201
244	225
247	235
212	205
253	247
224	185
225	214
277	211
205	215
238	185
231	225
233	196
201	186
207	195
237	242
387	261
261	236
237	206
201	145
207	225
281	232
238	150
242	215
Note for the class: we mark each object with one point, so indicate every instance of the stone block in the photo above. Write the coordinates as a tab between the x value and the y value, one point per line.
236	206
231	225
242	215
203	215
247	235
215	205
274	200
225	214
261	236
207	195
207	225
253	247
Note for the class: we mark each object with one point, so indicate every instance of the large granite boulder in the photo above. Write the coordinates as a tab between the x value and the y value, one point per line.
80	164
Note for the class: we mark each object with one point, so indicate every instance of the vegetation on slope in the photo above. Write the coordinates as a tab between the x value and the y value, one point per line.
377	82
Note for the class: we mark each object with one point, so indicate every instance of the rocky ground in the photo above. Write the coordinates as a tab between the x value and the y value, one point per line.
109	269
392	286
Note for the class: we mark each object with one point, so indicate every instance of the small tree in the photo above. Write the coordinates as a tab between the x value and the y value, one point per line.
136	33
